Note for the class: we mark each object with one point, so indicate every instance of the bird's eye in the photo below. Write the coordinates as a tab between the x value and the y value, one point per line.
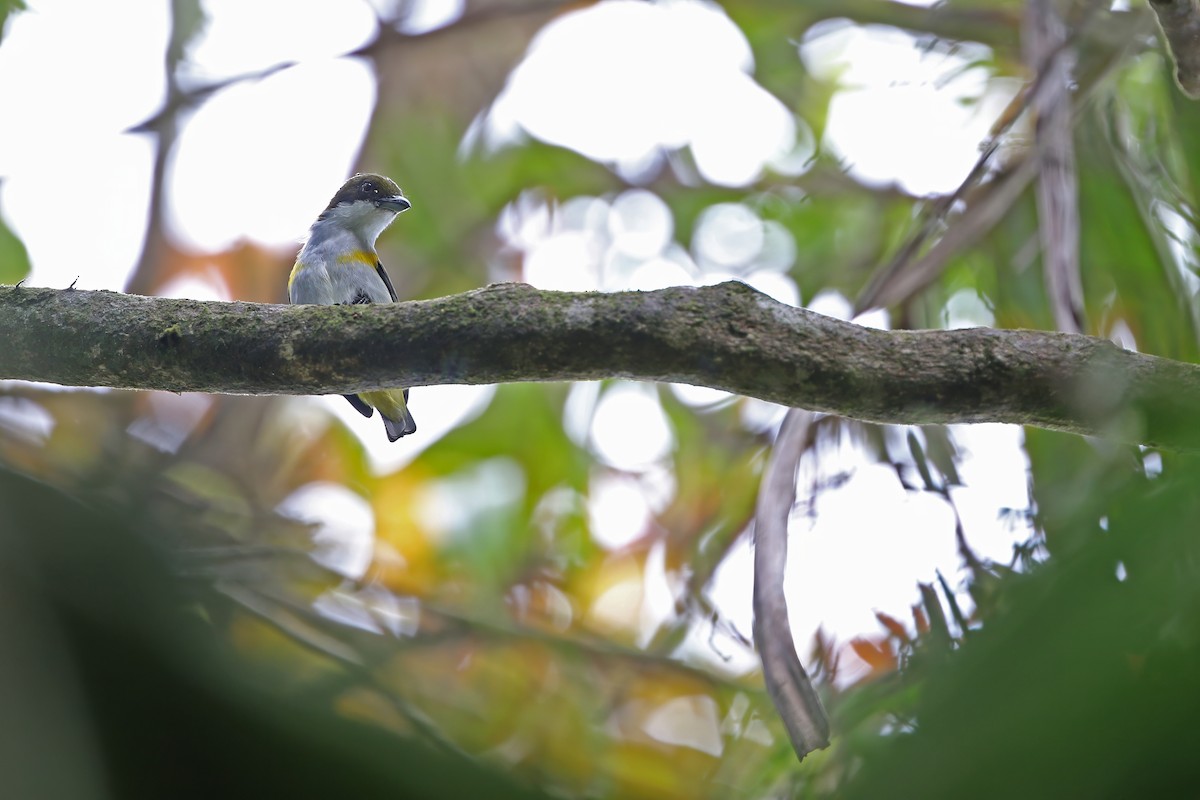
369	188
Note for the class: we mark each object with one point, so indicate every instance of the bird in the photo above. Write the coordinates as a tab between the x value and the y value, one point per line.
338	265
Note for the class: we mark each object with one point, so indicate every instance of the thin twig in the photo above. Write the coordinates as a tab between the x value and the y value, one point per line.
387	36
903	276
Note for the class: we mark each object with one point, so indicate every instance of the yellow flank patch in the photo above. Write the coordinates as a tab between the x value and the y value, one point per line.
358	257
292	277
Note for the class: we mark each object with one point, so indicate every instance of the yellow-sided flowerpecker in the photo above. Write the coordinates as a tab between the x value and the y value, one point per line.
338	264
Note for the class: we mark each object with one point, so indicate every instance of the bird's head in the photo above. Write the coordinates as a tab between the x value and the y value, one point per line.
366	204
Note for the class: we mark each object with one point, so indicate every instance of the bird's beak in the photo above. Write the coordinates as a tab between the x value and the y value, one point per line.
397	203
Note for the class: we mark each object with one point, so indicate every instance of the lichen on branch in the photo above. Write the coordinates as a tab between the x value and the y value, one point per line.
727	337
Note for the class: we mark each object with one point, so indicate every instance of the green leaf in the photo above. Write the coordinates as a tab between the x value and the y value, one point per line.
14	259
7	8
918	454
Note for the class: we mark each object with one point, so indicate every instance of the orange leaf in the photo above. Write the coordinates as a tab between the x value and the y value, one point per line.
878	657
893	625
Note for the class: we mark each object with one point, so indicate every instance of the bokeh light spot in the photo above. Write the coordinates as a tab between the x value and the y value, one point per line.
629	429
345	525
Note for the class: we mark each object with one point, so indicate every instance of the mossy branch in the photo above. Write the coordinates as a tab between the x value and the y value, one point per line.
727	337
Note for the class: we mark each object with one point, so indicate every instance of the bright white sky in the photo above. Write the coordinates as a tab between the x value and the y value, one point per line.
684	78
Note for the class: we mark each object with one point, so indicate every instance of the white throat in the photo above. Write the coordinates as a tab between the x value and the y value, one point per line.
362	219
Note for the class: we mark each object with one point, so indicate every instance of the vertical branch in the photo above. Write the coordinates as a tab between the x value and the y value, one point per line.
787	682
1180	23
1044	36
187	20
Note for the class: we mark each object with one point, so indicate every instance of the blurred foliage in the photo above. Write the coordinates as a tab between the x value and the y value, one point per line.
1080	676
14	260
7	9
182	607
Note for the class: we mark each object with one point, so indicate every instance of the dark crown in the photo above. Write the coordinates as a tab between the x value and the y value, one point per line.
365	186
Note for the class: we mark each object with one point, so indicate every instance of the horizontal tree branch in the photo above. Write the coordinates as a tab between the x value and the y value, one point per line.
727	336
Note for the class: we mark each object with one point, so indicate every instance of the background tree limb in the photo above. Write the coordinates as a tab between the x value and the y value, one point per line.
727	336
788	684
1180	22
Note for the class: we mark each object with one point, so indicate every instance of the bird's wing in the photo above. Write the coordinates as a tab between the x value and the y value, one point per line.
359	405
386	280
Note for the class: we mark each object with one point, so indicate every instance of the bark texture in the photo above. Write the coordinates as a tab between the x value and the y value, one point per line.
727	337
1180	22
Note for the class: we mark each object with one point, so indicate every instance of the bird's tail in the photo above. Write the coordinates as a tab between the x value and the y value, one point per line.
393	407
403	425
